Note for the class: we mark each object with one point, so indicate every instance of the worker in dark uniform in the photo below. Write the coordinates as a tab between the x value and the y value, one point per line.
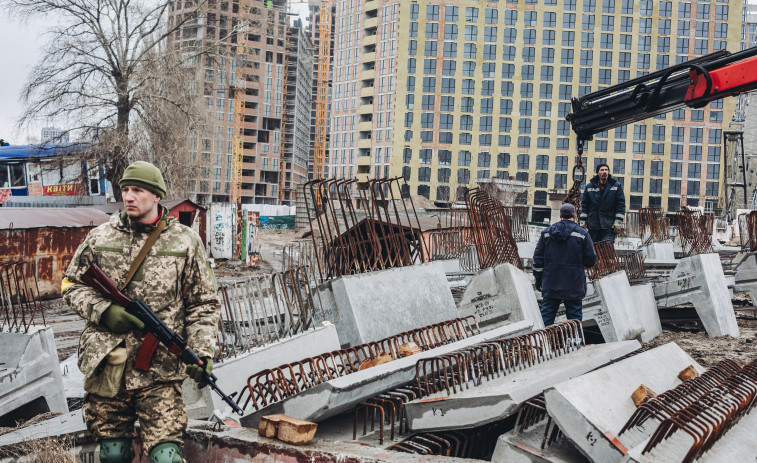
603	206
563	251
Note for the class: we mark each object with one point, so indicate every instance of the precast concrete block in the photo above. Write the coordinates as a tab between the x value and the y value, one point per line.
591	409
746	274
67	423
526	252
699	280
501	294
525	447
30	379
659	251
342	394
621	311
372	306
233	373
627	243
501	397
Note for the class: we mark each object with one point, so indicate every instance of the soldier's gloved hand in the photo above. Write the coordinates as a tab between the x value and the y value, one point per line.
118	320
617	228
196	372
583	224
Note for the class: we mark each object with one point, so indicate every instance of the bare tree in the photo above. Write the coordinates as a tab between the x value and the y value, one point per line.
107	74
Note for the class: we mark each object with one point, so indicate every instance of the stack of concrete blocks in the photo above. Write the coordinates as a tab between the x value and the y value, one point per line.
233	373
620	310
746	274
499	295
371	306
699	280
30	378
592	409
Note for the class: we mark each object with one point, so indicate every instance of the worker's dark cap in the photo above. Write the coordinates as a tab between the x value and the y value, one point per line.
600	165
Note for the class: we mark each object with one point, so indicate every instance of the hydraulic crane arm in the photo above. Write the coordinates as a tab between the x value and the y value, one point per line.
693	83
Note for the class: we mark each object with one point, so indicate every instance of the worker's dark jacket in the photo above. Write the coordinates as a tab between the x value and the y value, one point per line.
563	250
600	209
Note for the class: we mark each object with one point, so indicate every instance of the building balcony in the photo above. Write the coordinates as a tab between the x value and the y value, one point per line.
370	23
369	74
365	126
371	5
363	161
367	91
369	57
369	40
366	109
365	143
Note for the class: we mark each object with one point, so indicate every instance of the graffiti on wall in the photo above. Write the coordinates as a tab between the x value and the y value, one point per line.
221	230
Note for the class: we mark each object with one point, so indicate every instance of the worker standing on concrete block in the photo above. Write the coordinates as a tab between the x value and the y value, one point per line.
563	251
154	259
603	207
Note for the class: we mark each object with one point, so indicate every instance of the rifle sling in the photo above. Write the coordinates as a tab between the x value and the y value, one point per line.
143	252
150	343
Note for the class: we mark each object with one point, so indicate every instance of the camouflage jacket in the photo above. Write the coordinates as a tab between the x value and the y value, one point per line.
174	280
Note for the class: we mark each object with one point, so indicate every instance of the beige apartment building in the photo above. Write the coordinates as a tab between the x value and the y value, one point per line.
448	92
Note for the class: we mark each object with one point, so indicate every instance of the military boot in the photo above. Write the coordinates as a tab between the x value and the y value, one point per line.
116	451
167	452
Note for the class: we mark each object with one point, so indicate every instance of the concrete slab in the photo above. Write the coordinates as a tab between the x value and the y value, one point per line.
659	251
233	373
591	409
67	423
499	398
736	444
620	310
372	306
526	252
73	378
699	280
338	395
745	264
499	295
627	243
30	379
525	447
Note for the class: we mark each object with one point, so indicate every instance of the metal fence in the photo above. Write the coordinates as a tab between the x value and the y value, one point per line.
259	310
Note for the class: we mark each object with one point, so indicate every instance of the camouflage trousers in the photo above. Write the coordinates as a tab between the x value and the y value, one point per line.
160	409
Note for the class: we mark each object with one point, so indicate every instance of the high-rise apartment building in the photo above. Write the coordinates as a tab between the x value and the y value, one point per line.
249	66
297	122
447	92
314	33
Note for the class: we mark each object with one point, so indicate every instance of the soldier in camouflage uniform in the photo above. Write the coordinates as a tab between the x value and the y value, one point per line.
175	281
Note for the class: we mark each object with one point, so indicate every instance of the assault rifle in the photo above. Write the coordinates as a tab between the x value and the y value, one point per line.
157	330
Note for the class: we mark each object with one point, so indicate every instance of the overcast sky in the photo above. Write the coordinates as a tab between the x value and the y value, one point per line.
19	52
